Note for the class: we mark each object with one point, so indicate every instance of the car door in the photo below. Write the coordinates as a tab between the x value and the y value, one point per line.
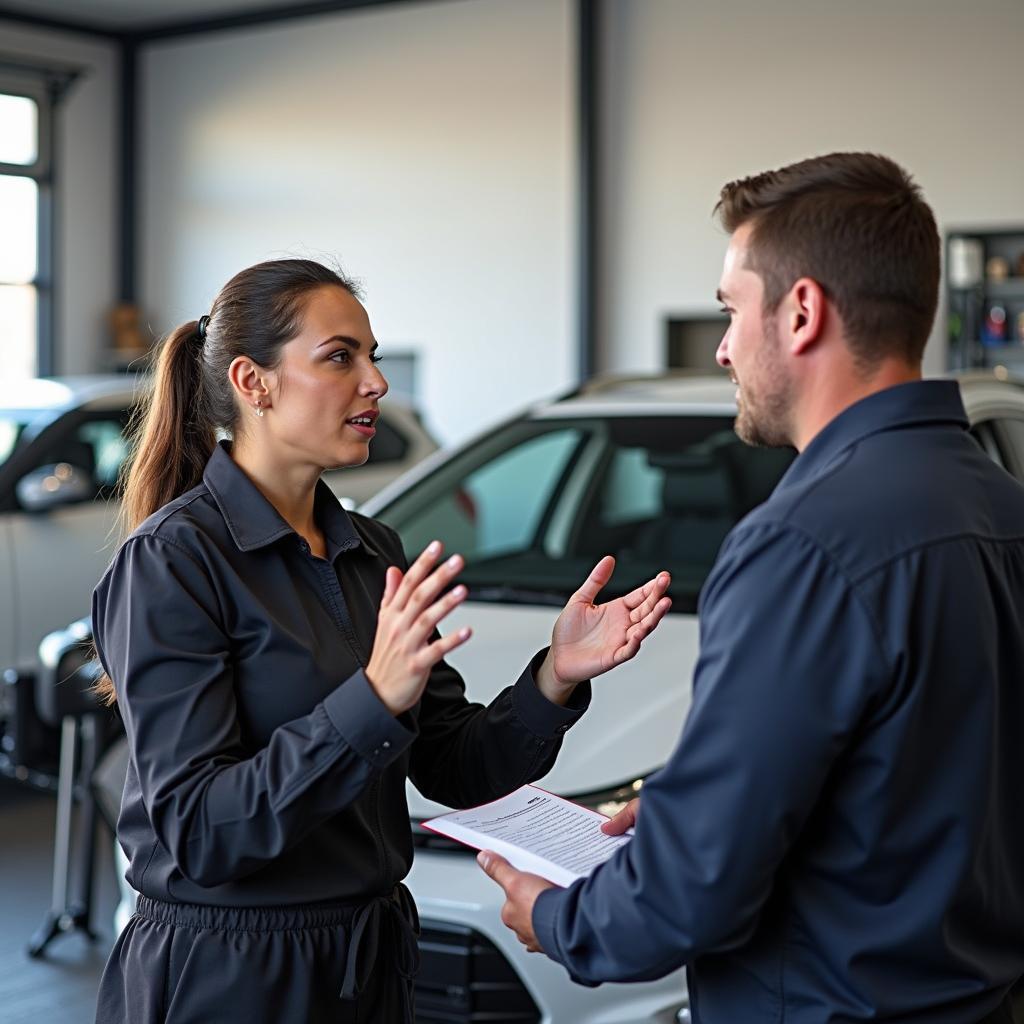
57	556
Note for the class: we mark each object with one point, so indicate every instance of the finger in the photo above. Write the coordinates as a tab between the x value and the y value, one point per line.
655	592
392	578
418	571
625	819
649	592
647	624
599	576
433	653
426	592
498	868
427	622
636	633
627	650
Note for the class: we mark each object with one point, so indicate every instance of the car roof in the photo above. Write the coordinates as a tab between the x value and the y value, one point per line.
688	393
653	394
48	394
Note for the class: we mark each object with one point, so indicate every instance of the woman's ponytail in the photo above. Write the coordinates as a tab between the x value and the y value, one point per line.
171	440
174	435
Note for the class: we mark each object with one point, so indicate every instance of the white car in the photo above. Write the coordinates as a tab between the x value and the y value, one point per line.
62	444
647	469
651	471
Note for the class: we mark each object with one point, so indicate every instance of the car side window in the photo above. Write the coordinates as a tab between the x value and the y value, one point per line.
534	505
498	507
96	445
632	487
675	505
109	446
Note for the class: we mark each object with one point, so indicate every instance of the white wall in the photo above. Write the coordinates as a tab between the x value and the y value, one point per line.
87	125
429	147
702	93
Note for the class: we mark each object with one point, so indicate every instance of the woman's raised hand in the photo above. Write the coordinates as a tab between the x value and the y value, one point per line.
410	609
590	638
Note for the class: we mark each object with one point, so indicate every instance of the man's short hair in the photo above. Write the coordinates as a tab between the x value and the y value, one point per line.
858	225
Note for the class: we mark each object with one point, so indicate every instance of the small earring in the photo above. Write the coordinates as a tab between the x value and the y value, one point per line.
259	407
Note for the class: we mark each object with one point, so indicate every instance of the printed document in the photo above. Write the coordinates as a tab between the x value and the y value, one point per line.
535	831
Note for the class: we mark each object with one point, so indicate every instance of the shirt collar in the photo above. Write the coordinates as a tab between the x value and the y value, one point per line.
254	522
904	405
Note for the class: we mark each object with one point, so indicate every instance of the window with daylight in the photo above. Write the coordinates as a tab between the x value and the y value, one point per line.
25	178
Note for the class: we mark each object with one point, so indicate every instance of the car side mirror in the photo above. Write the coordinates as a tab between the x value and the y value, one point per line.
52	486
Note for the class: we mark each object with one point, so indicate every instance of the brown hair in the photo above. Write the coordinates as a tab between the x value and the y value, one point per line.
175	430
858	225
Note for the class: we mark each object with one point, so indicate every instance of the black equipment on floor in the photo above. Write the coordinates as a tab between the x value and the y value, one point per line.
64	698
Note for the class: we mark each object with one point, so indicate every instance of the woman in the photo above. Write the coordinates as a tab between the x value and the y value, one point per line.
279	672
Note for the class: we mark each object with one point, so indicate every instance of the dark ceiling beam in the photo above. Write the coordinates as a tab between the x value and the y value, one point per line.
188	27
58	24
263	16
128	176
588	235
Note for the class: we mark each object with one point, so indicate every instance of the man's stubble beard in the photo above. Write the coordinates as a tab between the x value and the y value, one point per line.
765	421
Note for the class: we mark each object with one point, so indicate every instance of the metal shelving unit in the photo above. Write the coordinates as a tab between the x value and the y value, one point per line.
984	281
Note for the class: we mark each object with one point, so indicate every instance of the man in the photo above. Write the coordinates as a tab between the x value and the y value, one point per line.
839	835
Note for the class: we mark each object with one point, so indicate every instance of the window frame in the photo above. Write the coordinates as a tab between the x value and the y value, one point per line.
44	87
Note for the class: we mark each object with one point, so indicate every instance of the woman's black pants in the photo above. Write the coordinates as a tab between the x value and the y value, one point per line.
181	963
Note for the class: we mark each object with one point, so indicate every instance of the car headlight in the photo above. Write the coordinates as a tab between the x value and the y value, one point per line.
609	801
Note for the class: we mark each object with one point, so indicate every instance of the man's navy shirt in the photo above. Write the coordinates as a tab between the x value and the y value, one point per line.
839	835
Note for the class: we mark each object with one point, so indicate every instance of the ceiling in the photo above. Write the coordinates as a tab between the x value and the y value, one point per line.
138	15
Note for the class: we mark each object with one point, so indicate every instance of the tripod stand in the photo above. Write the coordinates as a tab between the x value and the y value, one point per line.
64	696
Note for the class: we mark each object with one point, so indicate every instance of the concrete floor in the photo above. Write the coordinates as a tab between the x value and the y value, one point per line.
60	988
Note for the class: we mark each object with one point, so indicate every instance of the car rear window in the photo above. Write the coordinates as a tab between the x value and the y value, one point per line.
533	506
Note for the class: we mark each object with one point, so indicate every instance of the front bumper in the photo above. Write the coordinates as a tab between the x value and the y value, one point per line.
475	969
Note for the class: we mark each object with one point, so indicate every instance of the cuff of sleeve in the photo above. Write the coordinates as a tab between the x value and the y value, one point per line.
543	718
544	917
365	723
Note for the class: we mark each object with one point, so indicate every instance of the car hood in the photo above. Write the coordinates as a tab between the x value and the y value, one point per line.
637	710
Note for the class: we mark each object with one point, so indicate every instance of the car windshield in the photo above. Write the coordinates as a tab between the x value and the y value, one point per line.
533	506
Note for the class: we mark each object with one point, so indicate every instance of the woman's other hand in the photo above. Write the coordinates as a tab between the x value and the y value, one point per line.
589	639
410	610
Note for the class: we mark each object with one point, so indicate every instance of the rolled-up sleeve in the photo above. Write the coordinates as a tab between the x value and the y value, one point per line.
790	659
220	811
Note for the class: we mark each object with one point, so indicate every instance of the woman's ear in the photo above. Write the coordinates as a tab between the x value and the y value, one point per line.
251	382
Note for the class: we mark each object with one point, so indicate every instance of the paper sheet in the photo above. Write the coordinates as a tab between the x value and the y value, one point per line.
536	831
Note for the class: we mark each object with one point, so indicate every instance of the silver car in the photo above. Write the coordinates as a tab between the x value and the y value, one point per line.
62	445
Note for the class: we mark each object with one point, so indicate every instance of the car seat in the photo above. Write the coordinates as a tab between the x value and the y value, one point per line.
699	502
